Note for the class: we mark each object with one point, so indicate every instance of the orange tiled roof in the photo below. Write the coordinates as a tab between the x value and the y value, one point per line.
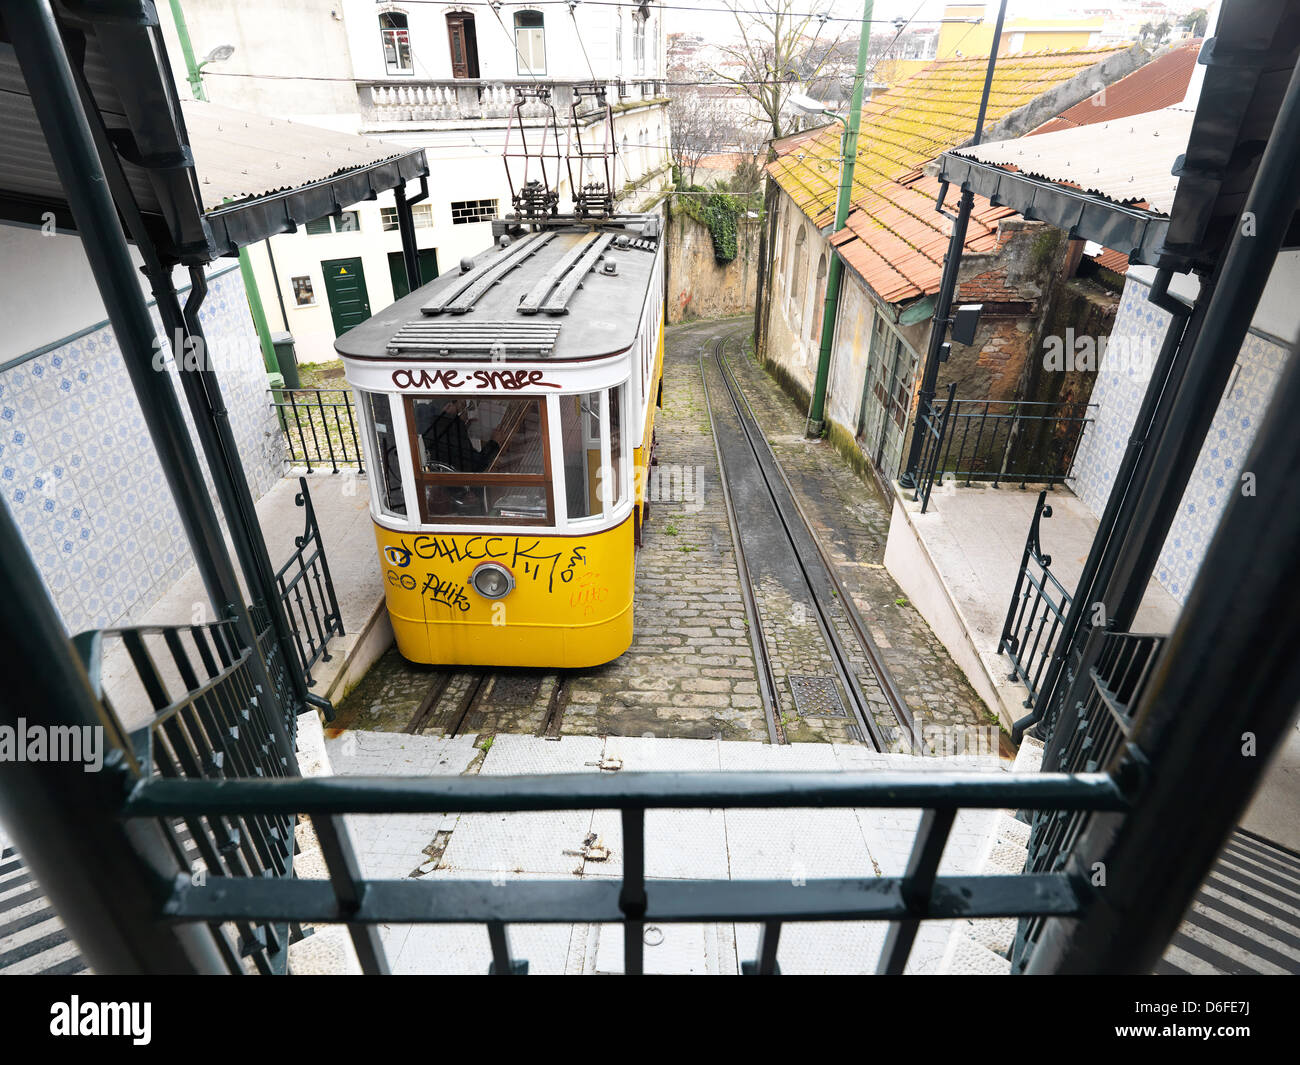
893	237
1161	83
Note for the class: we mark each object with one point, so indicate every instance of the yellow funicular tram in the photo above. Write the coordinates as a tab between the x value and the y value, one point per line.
508	416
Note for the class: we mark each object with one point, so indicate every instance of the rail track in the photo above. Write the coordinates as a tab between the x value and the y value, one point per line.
775	542
460	701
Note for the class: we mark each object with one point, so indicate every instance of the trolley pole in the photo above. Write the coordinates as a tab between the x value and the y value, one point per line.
848	157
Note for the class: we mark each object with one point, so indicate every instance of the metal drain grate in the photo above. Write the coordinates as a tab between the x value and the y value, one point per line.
816	696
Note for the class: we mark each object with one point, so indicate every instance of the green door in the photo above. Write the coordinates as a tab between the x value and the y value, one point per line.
397	270
345	286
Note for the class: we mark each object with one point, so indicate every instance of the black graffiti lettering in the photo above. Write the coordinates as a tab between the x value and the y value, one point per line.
511	380
401	580
449	593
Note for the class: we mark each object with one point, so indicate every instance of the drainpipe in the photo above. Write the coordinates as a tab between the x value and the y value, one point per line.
194	75
816	424
934	354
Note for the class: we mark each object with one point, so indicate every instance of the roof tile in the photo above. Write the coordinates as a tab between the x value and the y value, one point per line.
894	237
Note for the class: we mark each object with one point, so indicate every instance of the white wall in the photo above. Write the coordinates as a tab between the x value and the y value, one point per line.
78	471
291	57
431	55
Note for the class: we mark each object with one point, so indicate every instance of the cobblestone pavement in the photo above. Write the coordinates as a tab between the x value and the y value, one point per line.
690	672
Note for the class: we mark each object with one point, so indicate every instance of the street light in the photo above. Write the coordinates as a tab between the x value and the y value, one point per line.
219	54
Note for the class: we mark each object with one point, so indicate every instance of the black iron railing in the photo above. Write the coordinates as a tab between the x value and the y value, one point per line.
1039	604
968	440
319	427
1087	732
307	590
632	900
207	722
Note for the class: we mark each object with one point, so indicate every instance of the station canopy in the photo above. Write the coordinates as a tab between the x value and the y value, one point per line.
207	179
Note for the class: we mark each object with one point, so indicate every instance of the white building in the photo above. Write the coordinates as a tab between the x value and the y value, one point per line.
437	76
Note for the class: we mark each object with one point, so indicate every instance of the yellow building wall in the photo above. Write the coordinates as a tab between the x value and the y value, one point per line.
1039	34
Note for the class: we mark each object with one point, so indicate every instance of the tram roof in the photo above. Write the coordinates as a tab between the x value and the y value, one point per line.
545	295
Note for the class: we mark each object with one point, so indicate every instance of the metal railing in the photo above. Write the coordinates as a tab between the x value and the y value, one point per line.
632	900
1036	614
1086	735
207	722
307	590
319	427
968	440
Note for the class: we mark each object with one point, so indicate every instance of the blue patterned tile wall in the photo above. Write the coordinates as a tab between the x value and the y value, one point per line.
79	473
1118	394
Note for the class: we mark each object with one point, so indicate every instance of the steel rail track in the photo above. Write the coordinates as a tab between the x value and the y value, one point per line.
871	651
799	533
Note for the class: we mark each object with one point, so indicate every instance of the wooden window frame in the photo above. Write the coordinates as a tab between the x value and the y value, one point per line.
483	480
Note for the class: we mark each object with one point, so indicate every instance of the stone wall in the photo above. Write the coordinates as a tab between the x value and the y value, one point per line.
698	287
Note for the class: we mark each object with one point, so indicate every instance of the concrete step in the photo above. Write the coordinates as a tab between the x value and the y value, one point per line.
965	957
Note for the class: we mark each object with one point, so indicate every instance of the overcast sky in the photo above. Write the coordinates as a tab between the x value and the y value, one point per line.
709	20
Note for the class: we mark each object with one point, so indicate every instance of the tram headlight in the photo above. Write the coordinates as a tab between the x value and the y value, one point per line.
492	580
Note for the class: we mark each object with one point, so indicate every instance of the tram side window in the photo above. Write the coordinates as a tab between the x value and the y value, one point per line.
481	459
580	433
616	491
383	442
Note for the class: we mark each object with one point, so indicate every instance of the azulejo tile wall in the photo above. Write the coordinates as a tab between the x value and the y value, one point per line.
1140	326
79	473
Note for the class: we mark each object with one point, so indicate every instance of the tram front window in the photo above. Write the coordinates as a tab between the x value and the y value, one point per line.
481	458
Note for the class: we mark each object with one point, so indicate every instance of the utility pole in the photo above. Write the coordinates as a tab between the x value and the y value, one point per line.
194	75
848	158
934	354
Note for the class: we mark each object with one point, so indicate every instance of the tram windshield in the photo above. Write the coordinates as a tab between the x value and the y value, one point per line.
479	457
488	459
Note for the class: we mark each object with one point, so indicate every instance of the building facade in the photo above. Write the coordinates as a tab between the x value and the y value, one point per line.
441	77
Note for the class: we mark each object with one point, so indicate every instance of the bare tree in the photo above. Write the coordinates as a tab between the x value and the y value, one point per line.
699	125
778	48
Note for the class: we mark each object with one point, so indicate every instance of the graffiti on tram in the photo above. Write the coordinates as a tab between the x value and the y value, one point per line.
525	557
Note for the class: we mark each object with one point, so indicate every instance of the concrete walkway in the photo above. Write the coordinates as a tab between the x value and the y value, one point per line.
680	844
958	564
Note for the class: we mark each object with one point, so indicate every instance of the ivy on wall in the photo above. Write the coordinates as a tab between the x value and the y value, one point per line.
719	212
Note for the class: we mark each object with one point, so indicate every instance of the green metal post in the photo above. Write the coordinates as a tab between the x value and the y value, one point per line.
258	312
194	75
848	157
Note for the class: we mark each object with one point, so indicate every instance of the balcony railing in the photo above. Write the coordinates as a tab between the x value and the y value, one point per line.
207	722
1086	732
319	427
967	440
1036	614
480	99
214	776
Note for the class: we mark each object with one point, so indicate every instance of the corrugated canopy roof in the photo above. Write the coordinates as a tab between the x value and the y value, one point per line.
239	155
894	237
278	174
1127	161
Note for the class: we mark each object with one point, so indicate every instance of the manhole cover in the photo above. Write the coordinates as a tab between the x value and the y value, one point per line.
816	696
510	690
